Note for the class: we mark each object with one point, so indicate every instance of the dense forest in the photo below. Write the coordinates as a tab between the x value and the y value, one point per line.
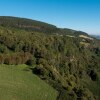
66	59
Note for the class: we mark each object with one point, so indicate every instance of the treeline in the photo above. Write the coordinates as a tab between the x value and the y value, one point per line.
27	24
16	58
37	26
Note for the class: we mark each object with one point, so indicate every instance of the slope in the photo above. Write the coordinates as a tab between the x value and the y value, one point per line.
68	60
38	26
16	83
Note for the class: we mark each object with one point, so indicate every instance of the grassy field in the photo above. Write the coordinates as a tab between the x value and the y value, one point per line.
18	84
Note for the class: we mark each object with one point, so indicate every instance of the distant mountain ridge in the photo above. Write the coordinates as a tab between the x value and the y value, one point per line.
33	25
96	36
24	23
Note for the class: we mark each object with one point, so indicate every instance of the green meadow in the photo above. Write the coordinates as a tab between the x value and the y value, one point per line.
16	83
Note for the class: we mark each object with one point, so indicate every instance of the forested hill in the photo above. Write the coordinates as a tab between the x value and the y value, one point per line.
66	59
33	25
26	24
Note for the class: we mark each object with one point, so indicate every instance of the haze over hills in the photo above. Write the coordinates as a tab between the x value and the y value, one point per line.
68	61
96	36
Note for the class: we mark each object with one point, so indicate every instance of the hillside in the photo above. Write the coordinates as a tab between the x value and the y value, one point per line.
19	84
66	59
37	26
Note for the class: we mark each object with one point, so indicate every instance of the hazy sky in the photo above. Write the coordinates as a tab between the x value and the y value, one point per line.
75	14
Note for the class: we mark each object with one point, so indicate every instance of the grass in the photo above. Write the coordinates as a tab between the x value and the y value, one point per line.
85	44
86	37
18	84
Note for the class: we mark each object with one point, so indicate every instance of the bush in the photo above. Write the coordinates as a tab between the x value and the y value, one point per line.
30	62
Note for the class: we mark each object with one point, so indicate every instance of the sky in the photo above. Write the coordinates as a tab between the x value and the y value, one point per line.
81	15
